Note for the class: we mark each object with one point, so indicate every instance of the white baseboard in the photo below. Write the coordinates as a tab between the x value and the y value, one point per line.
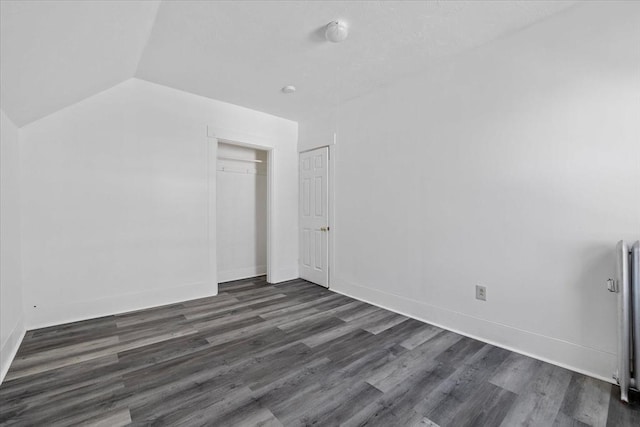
10	347
41	317
241	273
575	357
278	276
284	274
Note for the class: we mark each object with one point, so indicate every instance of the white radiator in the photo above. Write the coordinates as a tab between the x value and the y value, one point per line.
627	285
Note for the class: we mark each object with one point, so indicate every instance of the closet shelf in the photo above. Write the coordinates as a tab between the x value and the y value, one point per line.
240	160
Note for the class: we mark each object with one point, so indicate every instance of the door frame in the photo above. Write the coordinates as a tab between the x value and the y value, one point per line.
330	208
232	137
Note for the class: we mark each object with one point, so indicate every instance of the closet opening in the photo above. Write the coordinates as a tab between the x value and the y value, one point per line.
241	212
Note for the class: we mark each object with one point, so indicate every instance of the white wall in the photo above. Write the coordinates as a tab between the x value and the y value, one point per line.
115	201
241	213
516	166
11	314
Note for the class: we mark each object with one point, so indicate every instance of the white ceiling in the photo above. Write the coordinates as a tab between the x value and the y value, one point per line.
55	53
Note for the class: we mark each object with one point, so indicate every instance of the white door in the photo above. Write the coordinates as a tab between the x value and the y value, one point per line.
314	217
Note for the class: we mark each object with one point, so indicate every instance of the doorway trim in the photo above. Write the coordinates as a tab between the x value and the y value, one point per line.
229	136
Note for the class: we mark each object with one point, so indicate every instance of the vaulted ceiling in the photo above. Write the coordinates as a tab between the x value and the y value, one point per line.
55	53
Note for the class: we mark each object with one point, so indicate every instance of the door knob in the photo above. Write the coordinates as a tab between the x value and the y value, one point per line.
324	228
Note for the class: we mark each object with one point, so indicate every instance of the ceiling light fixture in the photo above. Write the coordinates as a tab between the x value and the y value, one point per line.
289	89
336	31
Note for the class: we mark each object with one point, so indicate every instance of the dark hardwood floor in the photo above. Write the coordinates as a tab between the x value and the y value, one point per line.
289	354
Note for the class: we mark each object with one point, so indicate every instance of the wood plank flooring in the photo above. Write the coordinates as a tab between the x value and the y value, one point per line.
289	354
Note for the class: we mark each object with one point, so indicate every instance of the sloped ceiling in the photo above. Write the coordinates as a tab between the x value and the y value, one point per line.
55	53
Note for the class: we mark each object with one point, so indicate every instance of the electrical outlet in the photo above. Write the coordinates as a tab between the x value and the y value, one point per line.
481	292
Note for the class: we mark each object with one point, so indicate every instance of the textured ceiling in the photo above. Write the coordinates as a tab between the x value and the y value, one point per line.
55	53
245	52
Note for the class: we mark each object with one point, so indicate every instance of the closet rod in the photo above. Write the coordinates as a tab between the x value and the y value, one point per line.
240	160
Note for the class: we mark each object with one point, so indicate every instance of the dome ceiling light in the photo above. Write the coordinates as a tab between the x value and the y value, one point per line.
336	31
289	89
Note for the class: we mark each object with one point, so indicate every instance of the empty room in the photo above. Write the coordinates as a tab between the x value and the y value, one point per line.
328	213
